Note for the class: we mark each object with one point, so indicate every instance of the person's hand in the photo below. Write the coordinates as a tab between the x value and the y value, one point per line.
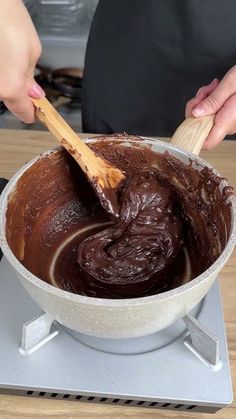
219	98
20	49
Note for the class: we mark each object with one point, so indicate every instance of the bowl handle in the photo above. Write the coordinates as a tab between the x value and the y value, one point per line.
192	133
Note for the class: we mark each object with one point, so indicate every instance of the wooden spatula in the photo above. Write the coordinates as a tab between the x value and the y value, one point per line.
104	177
192	133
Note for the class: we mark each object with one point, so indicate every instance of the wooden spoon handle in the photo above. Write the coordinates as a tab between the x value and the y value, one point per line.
101	173
192	133
48	115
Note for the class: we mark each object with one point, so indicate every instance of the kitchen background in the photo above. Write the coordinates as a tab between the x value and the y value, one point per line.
63	27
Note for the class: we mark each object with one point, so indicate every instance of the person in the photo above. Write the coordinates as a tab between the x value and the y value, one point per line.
146	63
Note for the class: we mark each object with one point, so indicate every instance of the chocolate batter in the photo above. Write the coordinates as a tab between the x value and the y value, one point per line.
174	222
144	241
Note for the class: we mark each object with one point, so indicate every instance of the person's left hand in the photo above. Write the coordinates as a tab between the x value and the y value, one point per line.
218	97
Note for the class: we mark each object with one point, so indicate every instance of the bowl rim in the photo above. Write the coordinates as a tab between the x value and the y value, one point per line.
81	299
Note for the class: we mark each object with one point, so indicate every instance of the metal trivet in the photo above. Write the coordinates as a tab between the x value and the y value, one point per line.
188	371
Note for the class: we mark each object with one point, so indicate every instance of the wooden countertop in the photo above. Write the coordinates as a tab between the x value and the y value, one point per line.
18	147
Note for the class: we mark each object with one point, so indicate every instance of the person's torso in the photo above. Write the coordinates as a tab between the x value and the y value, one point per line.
159	52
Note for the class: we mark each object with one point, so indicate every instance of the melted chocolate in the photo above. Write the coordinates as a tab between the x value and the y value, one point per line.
174	223
144	241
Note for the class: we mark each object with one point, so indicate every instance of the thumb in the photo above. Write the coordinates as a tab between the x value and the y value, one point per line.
216	99
34	90
20	104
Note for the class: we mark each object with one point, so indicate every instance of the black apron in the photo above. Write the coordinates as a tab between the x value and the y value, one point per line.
146	59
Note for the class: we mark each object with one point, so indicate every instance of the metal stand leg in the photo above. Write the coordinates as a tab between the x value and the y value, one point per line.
36	333
203	343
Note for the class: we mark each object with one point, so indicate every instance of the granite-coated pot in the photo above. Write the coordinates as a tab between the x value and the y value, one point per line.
111	318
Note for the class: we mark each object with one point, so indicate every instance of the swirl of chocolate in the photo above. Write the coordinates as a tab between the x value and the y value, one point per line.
144	240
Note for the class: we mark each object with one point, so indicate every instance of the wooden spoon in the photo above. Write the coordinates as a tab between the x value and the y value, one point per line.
104	177
192	133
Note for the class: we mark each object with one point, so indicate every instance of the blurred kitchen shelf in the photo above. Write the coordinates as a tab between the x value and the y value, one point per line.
63	31
59	52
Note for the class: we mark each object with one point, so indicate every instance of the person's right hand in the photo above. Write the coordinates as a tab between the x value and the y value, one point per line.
20	49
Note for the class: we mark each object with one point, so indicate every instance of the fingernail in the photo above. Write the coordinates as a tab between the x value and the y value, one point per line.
214	81
198	111
199	93
36	91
